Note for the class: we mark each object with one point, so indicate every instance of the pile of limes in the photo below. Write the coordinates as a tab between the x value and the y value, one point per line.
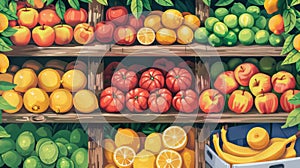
38	146
238	24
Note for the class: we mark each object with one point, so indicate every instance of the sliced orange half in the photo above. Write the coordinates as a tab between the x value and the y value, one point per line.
174	138
168	159
146	36
124	157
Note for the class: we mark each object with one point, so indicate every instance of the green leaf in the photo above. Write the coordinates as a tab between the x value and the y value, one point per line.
60	9
3	46
31	2
3	3
164	2
9	14
6	85
3	133
298	66
9	32
292	57
293	118
157	127
74	4
256	2
49	2
103	2
298	24
288	45
87	1
13	6
4	105
7	41
207	2
128	2
295	2
223	2
295	99
137	8
147	4
181	6
289	18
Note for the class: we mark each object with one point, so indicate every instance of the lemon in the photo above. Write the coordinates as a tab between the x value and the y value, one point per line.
153	22
166	36
85	101
74	80
192	21
49	80
124	157
7	77
154	143
174	138
185	35
25	79
4	62
14	99
36	100
144	159
127	137
172	19
146	36
61	101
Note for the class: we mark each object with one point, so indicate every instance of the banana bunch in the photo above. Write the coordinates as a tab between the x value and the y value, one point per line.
235	154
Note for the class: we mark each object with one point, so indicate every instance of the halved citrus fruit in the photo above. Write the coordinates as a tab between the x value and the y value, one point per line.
168	158
146	36
174	138
124	156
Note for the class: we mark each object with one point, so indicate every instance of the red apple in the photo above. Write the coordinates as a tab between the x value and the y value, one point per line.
284	100
136	23
260	83
226	82
74	17
12	23
118	15
21	37
84	33
28	17
211	101
244	72
125	35
49	17
43	36
105	32
283	81
240	101
63	34
266	103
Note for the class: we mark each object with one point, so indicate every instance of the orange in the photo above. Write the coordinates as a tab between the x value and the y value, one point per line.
14	99
38	4
4	62
172	19
192	21
166	36
124	157
168	158
3	22
271	6
296	42
146	36
109	148
191	134
258	138
188	158
127	137
276	24
174	138
110	166
144	159
185	35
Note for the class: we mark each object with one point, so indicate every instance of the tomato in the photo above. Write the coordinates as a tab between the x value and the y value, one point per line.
163	64
152	79
137	99
112	100
178	79
124	80
160	101
185	101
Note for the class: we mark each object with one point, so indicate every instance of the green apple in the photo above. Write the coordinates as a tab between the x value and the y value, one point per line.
233	63
267	65
246	88
252	60
217	68
280	67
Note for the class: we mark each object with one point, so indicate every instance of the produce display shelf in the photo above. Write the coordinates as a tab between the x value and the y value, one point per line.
99	50
127	117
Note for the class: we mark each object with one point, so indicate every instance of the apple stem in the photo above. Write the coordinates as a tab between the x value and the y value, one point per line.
293	92
282	77
87	28
262	91
43	27
256	82
242	68
243	92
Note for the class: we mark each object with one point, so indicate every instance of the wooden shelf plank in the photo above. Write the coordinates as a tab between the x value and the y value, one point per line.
99	50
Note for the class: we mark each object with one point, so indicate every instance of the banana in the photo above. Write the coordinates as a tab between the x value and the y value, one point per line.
273	152
290	151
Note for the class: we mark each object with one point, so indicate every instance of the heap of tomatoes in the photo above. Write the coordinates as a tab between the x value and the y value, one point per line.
156	89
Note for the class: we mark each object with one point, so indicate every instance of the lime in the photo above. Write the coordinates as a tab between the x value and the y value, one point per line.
80	158
255	29
254	11
211	12
287	68
28	127
25	143
233	63
62	134
210	22
48	152
214	40
217	68
12	158
13	130
1	162
230	39
62	149
236	30
252	60
220	13
231	21
32	162
276	40
71	148
267	65
65	162
238	9
261	22
77	137
246	20
220	29
43	132
262	37
62	140
7	144
246	36
39	143
33	153
48	165
201	35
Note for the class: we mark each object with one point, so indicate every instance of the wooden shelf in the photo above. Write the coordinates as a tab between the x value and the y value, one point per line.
98	50
127	117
